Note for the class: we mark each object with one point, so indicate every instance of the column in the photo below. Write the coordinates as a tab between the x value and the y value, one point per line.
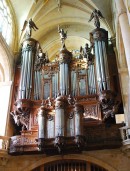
125	31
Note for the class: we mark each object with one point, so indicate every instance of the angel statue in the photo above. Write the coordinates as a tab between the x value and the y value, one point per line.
63	35
86	53
29	25
96	14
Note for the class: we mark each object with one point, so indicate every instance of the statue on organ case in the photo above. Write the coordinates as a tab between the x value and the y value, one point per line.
86	53
96	14
29	25
63	35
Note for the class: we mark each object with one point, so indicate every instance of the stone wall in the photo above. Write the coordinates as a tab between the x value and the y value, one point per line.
112	160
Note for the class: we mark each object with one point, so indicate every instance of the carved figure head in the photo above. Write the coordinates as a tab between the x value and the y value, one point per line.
107	97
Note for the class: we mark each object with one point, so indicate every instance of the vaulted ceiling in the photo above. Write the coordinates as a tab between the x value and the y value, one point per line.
72	16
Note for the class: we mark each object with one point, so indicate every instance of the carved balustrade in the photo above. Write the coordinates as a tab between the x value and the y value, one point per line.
4	145
125	135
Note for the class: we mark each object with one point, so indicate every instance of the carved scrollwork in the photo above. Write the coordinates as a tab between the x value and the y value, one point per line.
59	143
90	112
50	117
71	100
80	141
98	35
109	105
79	108
41	59
60	102
71	115
41	144
21	118
50	103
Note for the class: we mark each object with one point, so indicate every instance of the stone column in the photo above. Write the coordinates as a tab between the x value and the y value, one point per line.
125	28
125	31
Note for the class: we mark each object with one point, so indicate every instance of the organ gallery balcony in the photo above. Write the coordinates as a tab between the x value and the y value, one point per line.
125	135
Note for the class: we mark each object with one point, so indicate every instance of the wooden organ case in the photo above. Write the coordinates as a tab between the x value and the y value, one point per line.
63	106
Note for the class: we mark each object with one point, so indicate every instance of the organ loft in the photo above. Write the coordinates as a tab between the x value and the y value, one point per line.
64	105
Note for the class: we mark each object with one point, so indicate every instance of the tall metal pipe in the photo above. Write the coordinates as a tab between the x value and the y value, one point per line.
60	128
41	123
79	110
100	38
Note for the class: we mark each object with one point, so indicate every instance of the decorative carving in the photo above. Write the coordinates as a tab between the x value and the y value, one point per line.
41	144
98	34
65	56
80	141
96	14
35	120
91	112
79	108
63	35
50	117
60	102
59	143
71	100
86	53
109	105
29	25
71	115
20	119
41	59
3	161
50	102
21	113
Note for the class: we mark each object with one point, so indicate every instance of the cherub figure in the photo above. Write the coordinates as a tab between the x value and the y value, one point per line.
63	35
96	14
29	25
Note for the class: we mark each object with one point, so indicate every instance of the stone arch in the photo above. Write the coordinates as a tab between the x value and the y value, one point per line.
2	74
6	74
84	157
6	59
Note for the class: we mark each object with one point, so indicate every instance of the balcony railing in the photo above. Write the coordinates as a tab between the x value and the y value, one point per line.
125	135
4	144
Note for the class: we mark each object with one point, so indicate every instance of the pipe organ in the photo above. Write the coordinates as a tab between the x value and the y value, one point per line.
57	99
68	165
100	39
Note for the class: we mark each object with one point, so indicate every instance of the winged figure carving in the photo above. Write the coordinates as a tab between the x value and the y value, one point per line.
96	14
28	26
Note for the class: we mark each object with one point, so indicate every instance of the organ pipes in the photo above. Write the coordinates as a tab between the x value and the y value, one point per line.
100	37
28	55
